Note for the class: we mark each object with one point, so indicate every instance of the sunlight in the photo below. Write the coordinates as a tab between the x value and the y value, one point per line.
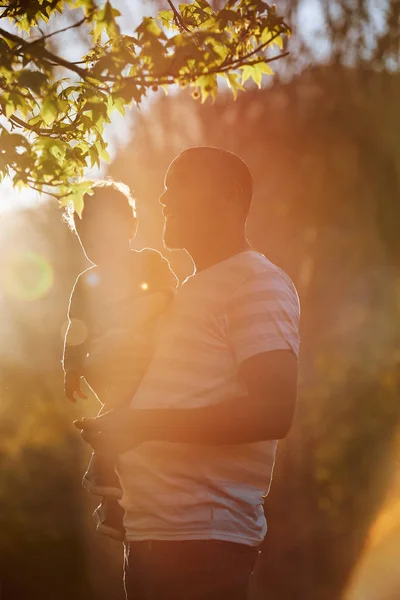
12	199
376	576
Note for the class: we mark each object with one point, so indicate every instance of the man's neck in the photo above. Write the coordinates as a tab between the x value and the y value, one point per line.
207	256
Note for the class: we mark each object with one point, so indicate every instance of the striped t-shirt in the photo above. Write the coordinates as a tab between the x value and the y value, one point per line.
220	317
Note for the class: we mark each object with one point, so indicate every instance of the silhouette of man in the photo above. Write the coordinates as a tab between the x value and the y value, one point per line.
197	445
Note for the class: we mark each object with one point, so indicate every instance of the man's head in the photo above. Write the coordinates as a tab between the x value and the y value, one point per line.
108	222
207	195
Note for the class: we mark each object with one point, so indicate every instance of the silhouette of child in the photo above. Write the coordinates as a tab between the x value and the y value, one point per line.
113	310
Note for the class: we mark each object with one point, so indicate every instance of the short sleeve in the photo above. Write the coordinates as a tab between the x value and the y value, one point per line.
157	273
264	315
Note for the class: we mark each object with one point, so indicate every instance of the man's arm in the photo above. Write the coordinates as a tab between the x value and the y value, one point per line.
265	413
263	317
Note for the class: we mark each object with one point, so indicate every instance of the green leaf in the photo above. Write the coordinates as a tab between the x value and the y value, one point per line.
73	108
247	73
37	120
167	18
234	84
18	101
119	105
49	110
33	80
58	149
115	104
104	20
9	109
225	16
266	35
149	27
208	86
255	72
76	195
102	152
93	157
78	202
19	184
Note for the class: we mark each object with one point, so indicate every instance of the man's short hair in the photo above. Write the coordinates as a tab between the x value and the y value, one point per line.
105	191
222	168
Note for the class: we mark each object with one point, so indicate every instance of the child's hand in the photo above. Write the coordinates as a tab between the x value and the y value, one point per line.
72	385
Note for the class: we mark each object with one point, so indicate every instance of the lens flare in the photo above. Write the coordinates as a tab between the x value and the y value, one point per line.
26	276
92	279
144	286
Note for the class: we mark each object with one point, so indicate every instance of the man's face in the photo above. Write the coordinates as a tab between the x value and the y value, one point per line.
188	207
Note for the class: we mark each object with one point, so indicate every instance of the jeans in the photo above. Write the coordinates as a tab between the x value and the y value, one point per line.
188	570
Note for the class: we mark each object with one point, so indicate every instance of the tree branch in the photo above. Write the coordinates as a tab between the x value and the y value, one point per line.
49	132
49	35
237	64
49	56
258	49
177	17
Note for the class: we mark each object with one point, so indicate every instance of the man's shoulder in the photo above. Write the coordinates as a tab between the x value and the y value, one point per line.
259	275
254	266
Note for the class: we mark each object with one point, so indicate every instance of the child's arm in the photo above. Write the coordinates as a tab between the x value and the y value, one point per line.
75	345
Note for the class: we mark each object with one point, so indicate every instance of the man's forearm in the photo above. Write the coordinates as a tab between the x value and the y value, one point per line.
237	421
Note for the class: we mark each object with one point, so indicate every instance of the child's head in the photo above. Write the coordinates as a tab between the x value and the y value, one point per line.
108	222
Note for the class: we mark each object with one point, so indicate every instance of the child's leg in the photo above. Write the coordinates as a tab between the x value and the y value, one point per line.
109	516
100	477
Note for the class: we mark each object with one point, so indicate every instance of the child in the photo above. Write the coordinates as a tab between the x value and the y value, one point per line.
113	309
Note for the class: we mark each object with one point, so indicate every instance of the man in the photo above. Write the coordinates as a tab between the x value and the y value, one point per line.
197	445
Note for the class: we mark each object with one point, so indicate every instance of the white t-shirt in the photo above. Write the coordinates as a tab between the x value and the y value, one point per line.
220	317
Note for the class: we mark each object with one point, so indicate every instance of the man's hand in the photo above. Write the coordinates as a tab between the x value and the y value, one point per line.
112	433
72	385
264	414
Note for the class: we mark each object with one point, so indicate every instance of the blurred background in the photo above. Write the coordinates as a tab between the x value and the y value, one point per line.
322	139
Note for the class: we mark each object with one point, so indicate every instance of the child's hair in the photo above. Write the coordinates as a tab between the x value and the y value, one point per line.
104	190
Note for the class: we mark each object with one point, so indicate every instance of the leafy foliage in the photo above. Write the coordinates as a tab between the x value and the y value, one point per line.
54	110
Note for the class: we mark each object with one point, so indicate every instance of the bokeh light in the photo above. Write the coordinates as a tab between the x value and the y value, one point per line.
92	278
26	276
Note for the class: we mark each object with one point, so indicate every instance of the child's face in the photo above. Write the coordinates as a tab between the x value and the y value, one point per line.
106	235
